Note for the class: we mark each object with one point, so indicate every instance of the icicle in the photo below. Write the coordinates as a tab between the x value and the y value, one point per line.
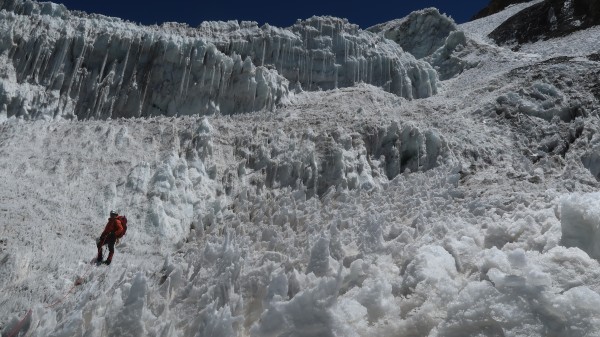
335	74
101	73
212	78
183	75
35	68
264	46
147	84
277	52
76	68
189	70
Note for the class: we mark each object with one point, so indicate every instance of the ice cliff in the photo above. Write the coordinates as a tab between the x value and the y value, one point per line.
429	36
421	33
74	65
327	53
95	67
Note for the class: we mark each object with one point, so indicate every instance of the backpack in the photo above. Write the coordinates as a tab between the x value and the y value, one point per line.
123	220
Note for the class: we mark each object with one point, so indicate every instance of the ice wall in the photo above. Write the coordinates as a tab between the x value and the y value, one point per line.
445	60
326	53
59	63
420	33
75	65
429	36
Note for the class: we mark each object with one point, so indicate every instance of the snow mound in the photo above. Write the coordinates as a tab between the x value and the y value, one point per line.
420	33
450	59
517	298
580	222
542	100
432	37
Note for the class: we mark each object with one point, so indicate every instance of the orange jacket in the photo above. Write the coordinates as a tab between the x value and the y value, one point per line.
113	225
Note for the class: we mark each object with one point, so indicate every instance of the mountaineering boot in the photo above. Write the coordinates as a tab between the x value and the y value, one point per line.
107	262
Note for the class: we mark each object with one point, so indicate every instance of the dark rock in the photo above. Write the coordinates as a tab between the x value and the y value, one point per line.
548	19
496	6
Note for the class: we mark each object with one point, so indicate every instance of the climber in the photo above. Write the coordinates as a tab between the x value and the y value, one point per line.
114	230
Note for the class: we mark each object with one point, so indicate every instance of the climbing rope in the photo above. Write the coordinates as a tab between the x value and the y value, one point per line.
15	331
75	284
19	326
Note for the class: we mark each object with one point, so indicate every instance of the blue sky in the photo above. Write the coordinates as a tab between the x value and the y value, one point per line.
279	13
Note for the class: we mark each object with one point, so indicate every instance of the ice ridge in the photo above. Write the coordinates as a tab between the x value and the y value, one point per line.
323	53
62	64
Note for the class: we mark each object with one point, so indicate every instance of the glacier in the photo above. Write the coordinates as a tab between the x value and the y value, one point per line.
278	183
420	33
93	67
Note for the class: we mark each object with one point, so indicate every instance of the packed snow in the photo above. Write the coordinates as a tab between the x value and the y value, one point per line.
350	210
481	28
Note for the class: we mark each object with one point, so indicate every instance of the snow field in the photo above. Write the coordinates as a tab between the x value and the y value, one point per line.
581	223
417	254
347	212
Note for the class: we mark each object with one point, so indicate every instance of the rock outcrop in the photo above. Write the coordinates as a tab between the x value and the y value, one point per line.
548	19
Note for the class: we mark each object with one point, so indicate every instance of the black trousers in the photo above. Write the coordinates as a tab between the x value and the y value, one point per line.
110	242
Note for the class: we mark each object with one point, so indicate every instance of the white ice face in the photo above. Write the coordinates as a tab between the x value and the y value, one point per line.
78	66
461	203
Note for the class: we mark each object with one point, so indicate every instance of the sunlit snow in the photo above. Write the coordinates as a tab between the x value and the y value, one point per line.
339	210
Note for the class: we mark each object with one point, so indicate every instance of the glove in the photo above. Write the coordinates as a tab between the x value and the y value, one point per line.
111	235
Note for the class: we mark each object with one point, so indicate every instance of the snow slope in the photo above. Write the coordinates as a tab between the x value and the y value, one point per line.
345	212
